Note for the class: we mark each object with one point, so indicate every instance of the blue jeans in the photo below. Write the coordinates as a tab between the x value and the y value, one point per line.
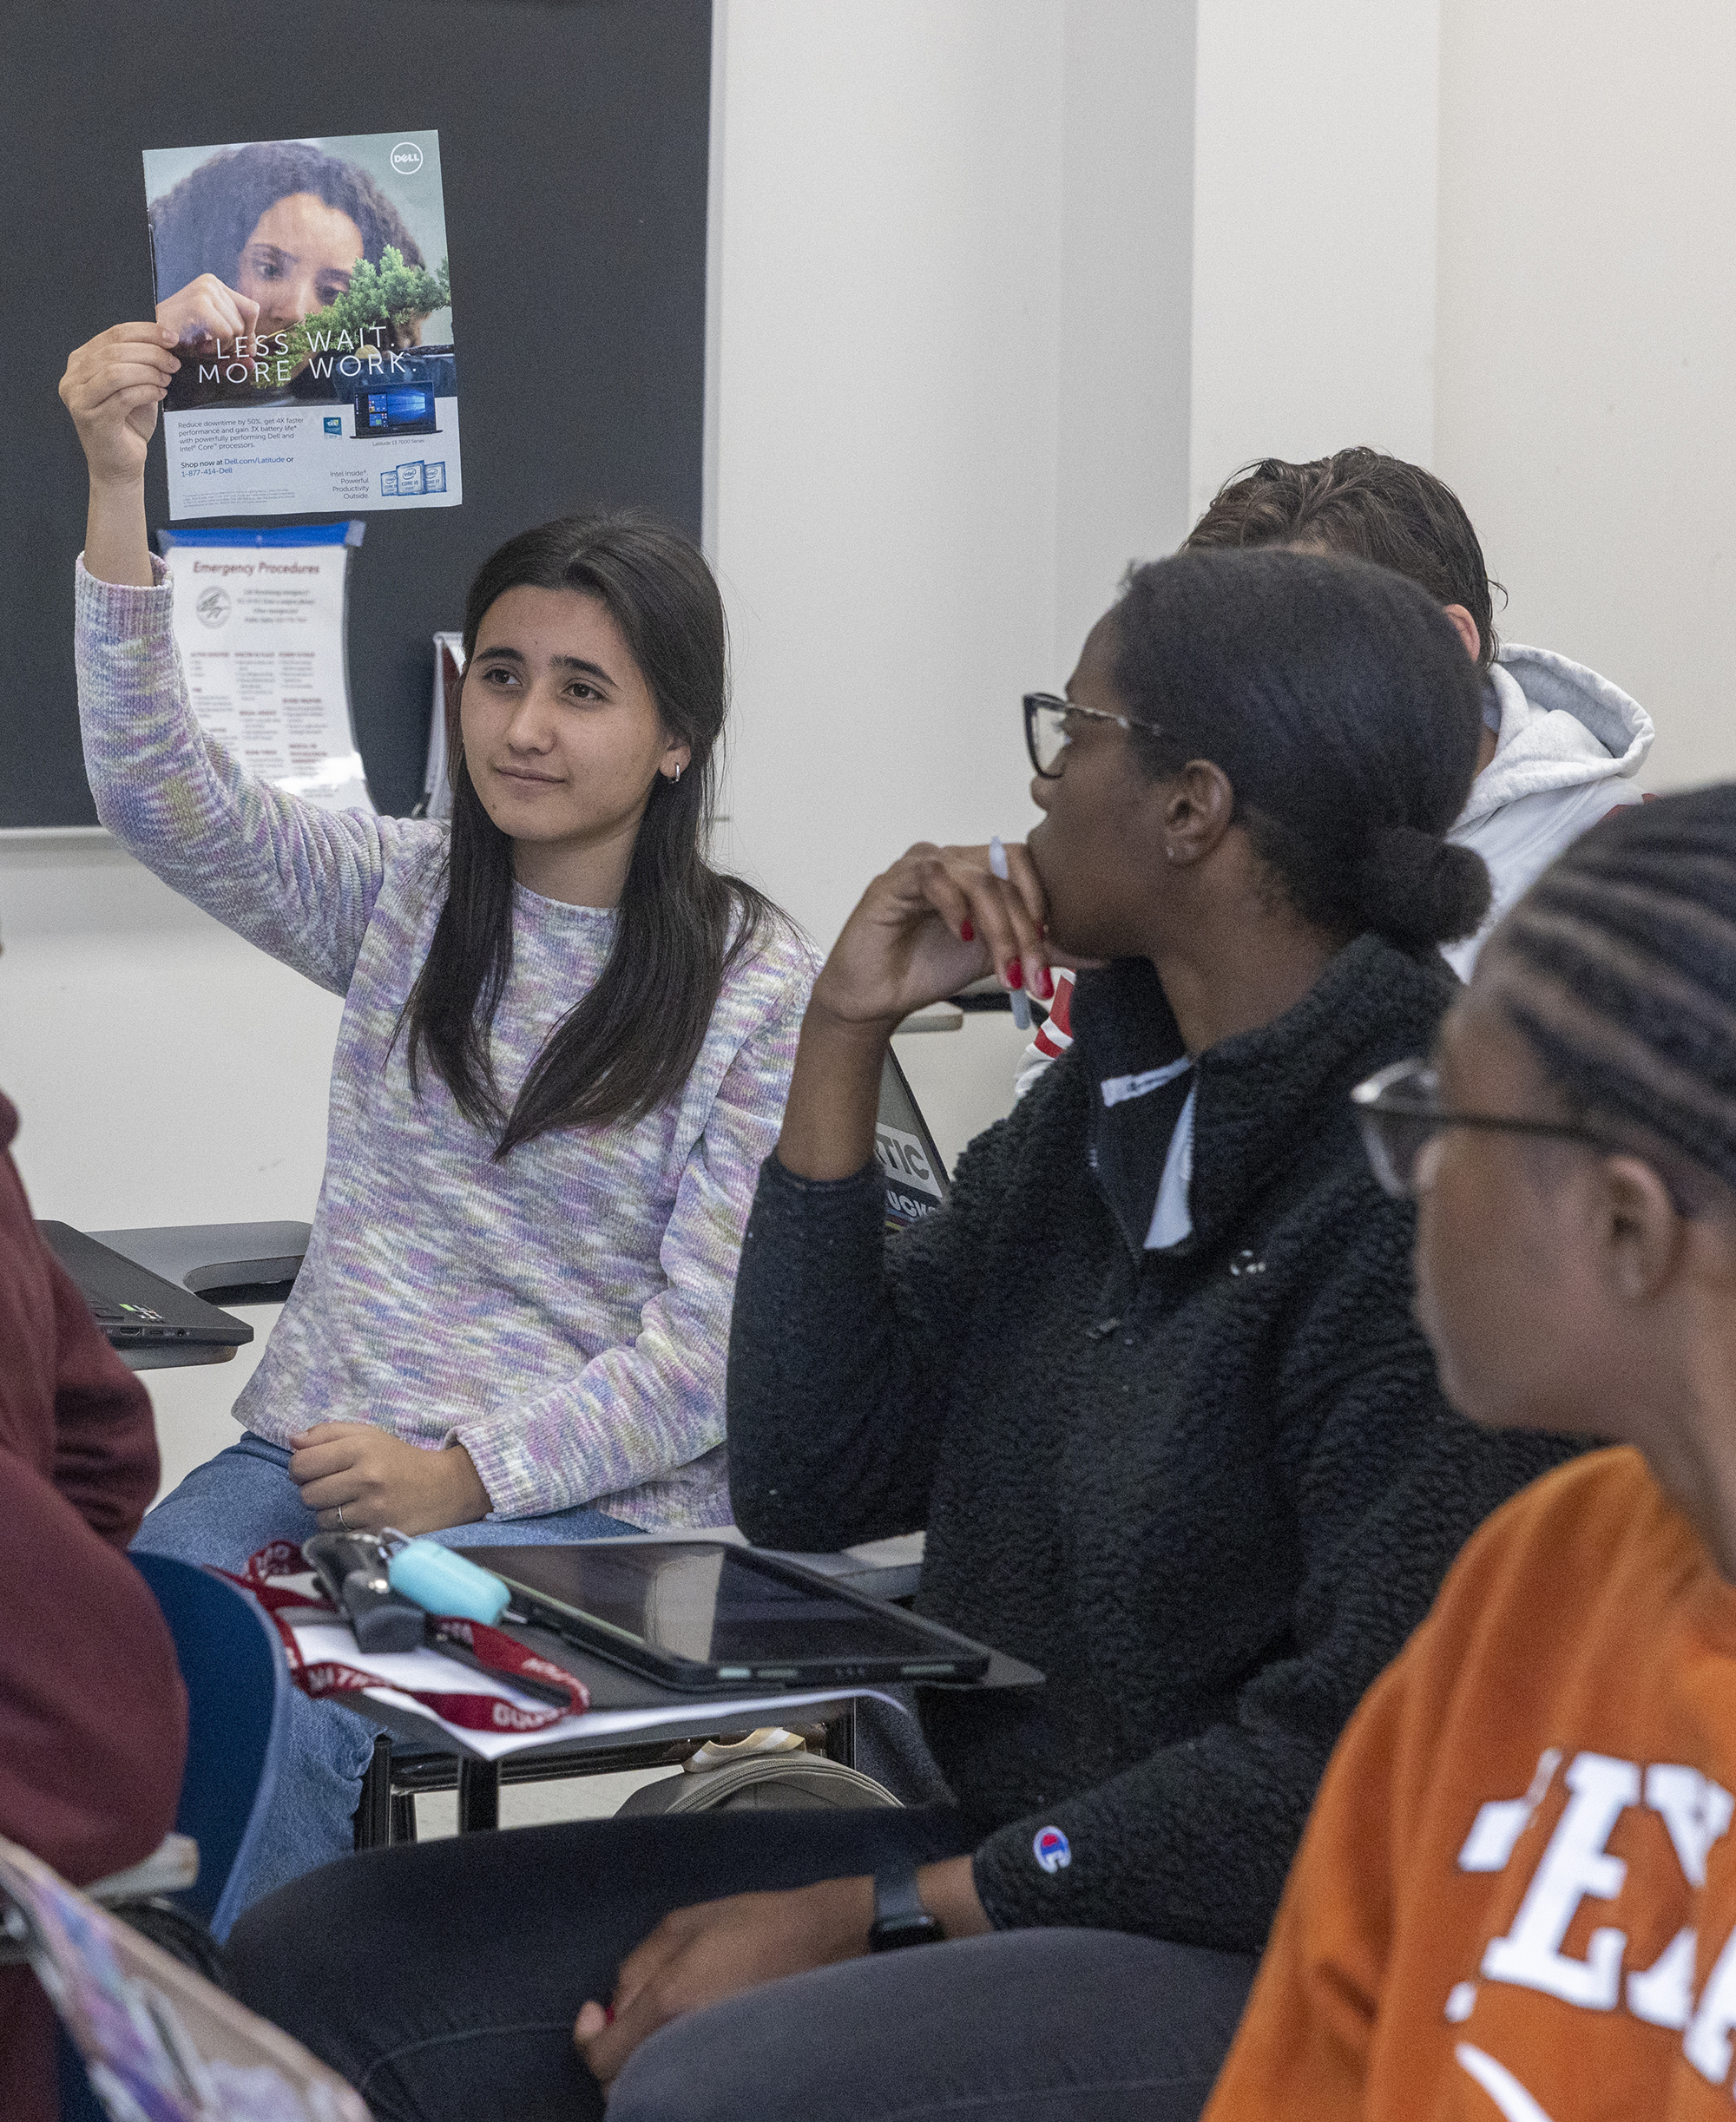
227	1510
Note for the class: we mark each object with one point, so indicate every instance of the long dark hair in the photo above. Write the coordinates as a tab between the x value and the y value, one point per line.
1339	700
627	1046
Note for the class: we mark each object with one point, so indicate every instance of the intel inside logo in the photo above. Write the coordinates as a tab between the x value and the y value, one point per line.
334	424
1052	1849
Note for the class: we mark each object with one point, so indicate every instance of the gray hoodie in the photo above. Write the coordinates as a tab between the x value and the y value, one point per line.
1570	745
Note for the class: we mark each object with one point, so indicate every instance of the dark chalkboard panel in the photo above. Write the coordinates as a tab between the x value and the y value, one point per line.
573	145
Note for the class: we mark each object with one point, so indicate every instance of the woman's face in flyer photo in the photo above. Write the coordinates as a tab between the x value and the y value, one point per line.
562	737
298	260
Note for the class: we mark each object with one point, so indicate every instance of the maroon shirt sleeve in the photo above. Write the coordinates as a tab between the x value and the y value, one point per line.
93	1730
93	1719
105	1440
92	1715
69	1406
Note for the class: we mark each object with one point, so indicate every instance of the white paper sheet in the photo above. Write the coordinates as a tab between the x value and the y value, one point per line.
436	1675
260	631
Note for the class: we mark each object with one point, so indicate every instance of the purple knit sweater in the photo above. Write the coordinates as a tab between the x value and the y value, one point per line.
563	1315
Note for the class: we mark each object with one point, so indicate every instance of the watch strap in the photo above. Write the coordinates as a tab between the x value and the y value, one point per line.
899	1915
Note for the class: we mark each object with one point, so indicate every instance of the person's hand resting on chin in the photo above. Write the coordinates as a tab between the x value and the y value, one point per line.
378	1480
700	1956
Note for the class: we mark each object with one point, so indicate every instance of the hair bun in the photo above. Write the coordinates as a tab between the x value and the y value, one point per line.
1419	888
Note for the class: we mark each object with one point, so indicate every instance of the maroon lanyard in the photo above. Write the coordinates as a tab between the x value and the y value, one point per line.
471	1712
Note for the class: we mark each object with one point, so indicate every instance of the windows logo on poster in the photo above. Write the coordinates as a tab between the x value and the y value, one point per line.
405	480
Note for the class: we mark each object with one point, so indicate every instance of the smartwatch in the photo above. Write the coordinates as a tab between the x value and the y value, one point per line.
899	1918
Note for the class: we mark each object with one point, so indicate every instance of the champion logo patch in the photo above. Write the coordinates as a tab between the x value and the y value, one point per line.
1052	1849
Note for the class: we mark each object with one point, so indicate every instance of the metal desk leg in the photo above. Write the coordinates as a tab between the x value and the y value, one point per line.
403	1815
373	1811
479	1796
840	1736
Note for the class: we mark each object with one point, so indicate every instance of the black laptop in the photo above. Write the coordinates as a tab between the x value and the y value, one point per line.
134	1308
917	1183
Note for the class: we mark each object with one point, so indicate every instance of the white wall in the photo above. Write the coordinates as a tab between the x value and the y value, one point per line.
1314	231
886	425
1587	399
165	1071
1124	368
941	224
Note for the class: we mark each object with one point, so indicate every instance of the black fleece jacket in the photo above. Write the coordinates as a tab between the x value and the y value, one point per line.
1208	1491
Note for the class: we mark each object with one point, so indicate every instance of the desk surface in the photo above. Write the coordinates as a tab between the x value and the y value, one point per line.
204	1257
613	1687
175	1355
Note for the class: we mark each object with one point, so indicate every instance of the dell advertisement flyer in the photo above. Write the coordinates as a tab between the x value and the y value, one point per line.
308	285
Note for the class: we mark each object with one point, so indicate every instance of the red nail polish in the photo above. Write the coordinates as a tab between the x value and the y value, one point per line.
1044	985
609	2014
1016	974
966	933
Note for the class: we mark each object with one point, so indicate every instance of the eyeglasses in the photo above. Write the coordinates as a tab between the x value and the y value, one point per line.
1047	732
1402	1119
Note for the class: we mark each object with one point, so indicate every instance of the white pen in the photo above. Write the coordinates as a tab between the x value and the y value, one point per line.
997	867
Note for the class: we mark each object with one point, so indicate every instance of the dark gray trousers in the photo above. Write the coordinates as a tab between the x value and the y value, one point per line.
443	1981
1026	2026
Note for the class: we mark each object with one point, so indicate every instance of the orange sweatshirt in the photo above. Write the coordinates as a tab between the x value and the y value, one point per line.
1517	1895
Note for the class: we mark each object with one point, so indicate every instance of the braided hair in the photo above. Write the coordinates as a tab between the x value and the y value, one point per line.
1618	968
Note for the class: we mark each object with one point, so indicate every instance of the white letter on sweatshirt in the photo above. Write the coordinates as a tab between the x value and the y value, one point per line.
1706	2044
1696	1812
1574	1865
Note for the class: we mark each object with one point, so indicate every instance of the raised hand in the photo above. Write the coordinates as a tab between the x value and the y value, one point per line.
112	387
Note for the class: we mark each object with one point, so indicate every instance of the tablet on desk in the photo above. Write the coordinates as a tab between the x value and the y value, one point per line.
703	1613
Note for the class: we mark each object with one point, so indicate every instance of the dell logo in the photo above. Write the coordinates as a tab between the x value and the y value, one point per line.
406	158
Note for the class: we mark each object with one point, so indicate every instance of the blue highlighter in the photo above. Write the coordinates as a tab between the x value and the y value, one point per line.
446	1583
